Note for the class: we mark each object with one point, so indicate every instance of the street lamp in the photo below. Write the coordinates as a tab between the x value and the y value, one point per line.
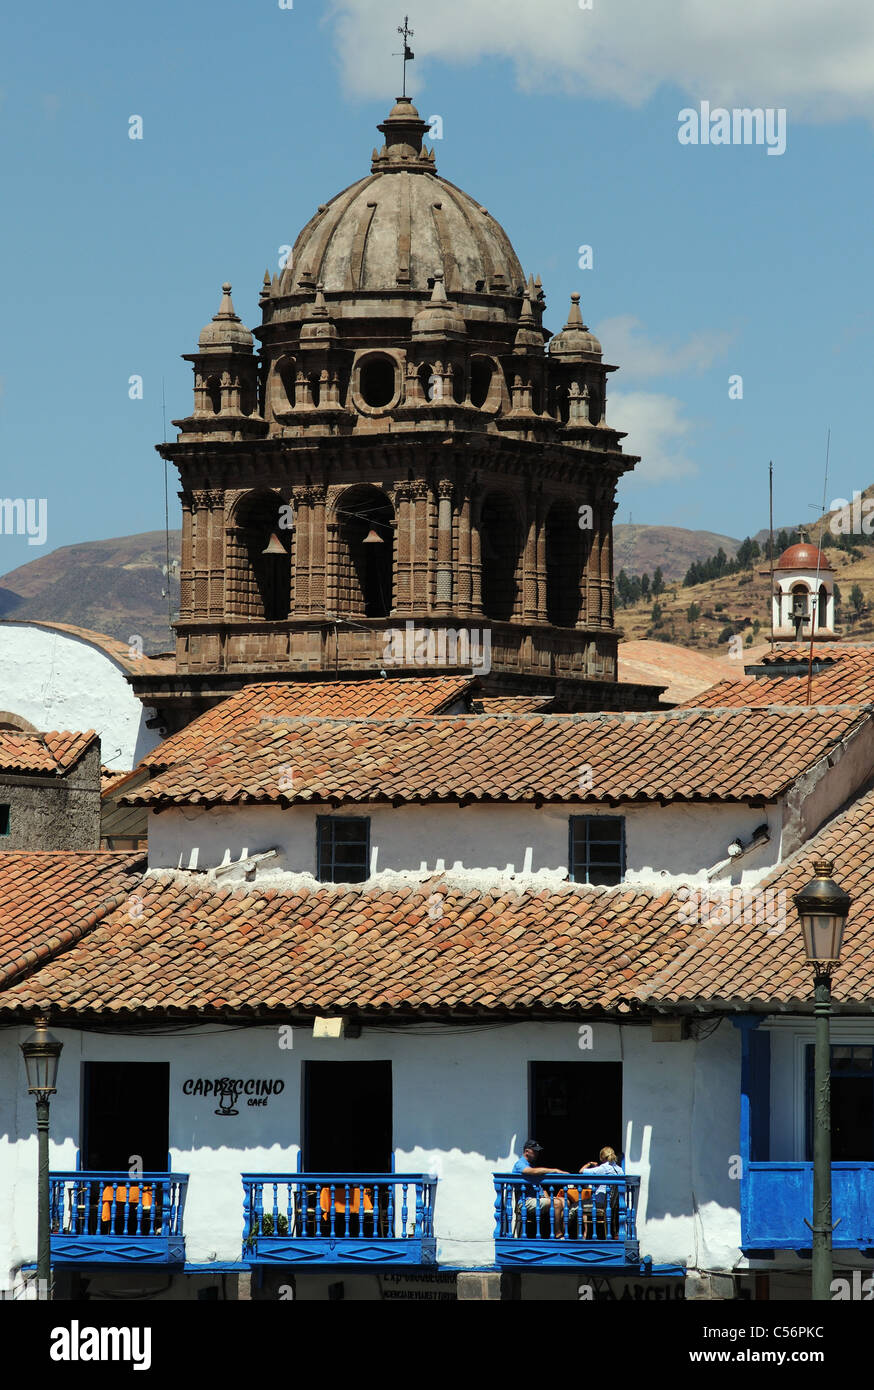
41	1054
822	909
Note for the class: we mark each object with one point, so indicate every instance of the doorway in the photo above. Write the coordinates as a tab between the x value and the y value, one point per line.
347	1117
575	1110
125	1112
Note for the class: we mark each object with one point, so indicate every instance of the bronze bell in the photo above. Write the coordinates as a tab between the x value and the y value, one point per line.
372	538
274	546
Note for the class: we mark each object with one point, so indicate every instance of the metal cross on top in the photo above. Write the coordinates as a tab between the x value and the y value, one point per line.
409	55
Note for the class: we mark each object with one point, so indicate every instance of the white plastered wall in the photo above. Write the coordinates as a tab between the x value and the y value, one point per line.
460	1108
55	680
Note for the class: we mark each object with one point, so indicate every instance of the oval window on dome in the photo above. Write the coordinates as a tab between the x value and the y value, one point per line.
377	381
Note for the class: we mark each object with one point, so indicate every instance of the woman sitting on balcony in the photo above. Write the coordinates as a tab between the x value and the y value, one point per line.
607	1167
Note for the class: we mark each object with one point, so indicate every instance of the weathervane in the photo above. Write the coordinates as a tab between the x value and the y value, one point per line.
408	55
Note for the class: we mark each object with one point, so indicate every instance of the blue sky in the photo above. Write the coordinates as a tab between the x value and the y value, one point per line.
708	261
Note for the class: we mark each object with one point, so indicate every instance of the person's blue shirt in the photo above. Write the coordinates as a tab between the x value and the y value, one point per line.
519	1168
603	1170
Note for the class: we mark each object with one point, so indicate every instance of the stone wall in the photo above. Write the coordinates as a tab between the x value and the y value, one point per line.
49	812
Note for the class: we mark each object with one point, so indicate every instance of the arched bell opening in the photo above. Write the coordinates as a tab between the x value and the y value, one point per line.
561	408
213	388
500	551
365	553
822	607
260	565
430	385
482	374
565	557
280	388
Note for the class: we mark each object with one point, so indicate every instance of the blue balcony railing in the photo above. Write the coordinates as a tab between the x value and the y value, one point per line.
339	1218
565	1221
777	1198
109	1218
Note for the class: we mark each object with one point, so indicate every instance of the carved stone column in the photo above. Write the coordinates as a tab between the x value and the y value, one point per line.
318	539
443	603
464	580
216	555
593	571
421	544
542	509
529	560
476	562
403	548
186	595
200	552
607	513
300	578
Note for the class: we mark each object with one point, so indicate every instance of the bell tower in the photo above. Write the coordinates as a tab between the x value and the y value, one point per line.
408	445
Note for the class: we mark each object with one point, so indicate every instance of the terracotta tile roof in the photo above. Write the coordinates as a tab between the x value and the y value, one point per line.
754	962
729	755
846	681
822	651
427	948
514	704
49	752
50	899
338	699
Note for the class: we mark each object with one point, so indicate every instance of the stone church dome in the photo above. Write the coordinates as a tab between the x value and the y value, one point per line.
403	223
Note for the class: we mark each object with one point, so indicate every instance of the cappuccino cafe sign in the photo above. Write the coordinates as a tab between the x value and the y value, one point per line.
229	1091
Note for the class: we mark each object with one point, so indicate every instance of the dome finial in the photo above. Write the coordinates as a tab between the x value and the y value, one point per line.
404	132
230	332
575	342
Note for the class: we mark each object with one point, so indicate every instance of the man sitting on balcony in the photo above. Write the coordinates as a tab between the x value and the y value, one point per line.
538	1203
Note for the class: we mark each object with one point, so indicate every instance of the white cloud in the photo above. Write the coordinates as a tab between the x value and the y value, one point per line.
655	430
817	60
625	342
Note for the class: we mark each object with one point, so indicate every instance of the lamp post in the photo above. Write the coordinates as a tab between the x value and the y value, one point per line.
41	1054
822	908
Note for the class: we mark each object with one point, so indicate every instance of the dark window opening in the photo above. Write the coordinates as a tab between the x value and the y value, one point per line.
347	1117
315	388
481	373
575	1110
565	554
248	397
4	820
214	392
594	406
597	849
499	548
823	606
377	381
343	849
126	1112
852	1102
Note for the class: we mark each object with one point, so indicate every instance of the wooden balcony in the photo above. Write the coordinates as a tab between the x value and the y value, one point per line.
104	1218
777	1198
339	1218
561	1221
